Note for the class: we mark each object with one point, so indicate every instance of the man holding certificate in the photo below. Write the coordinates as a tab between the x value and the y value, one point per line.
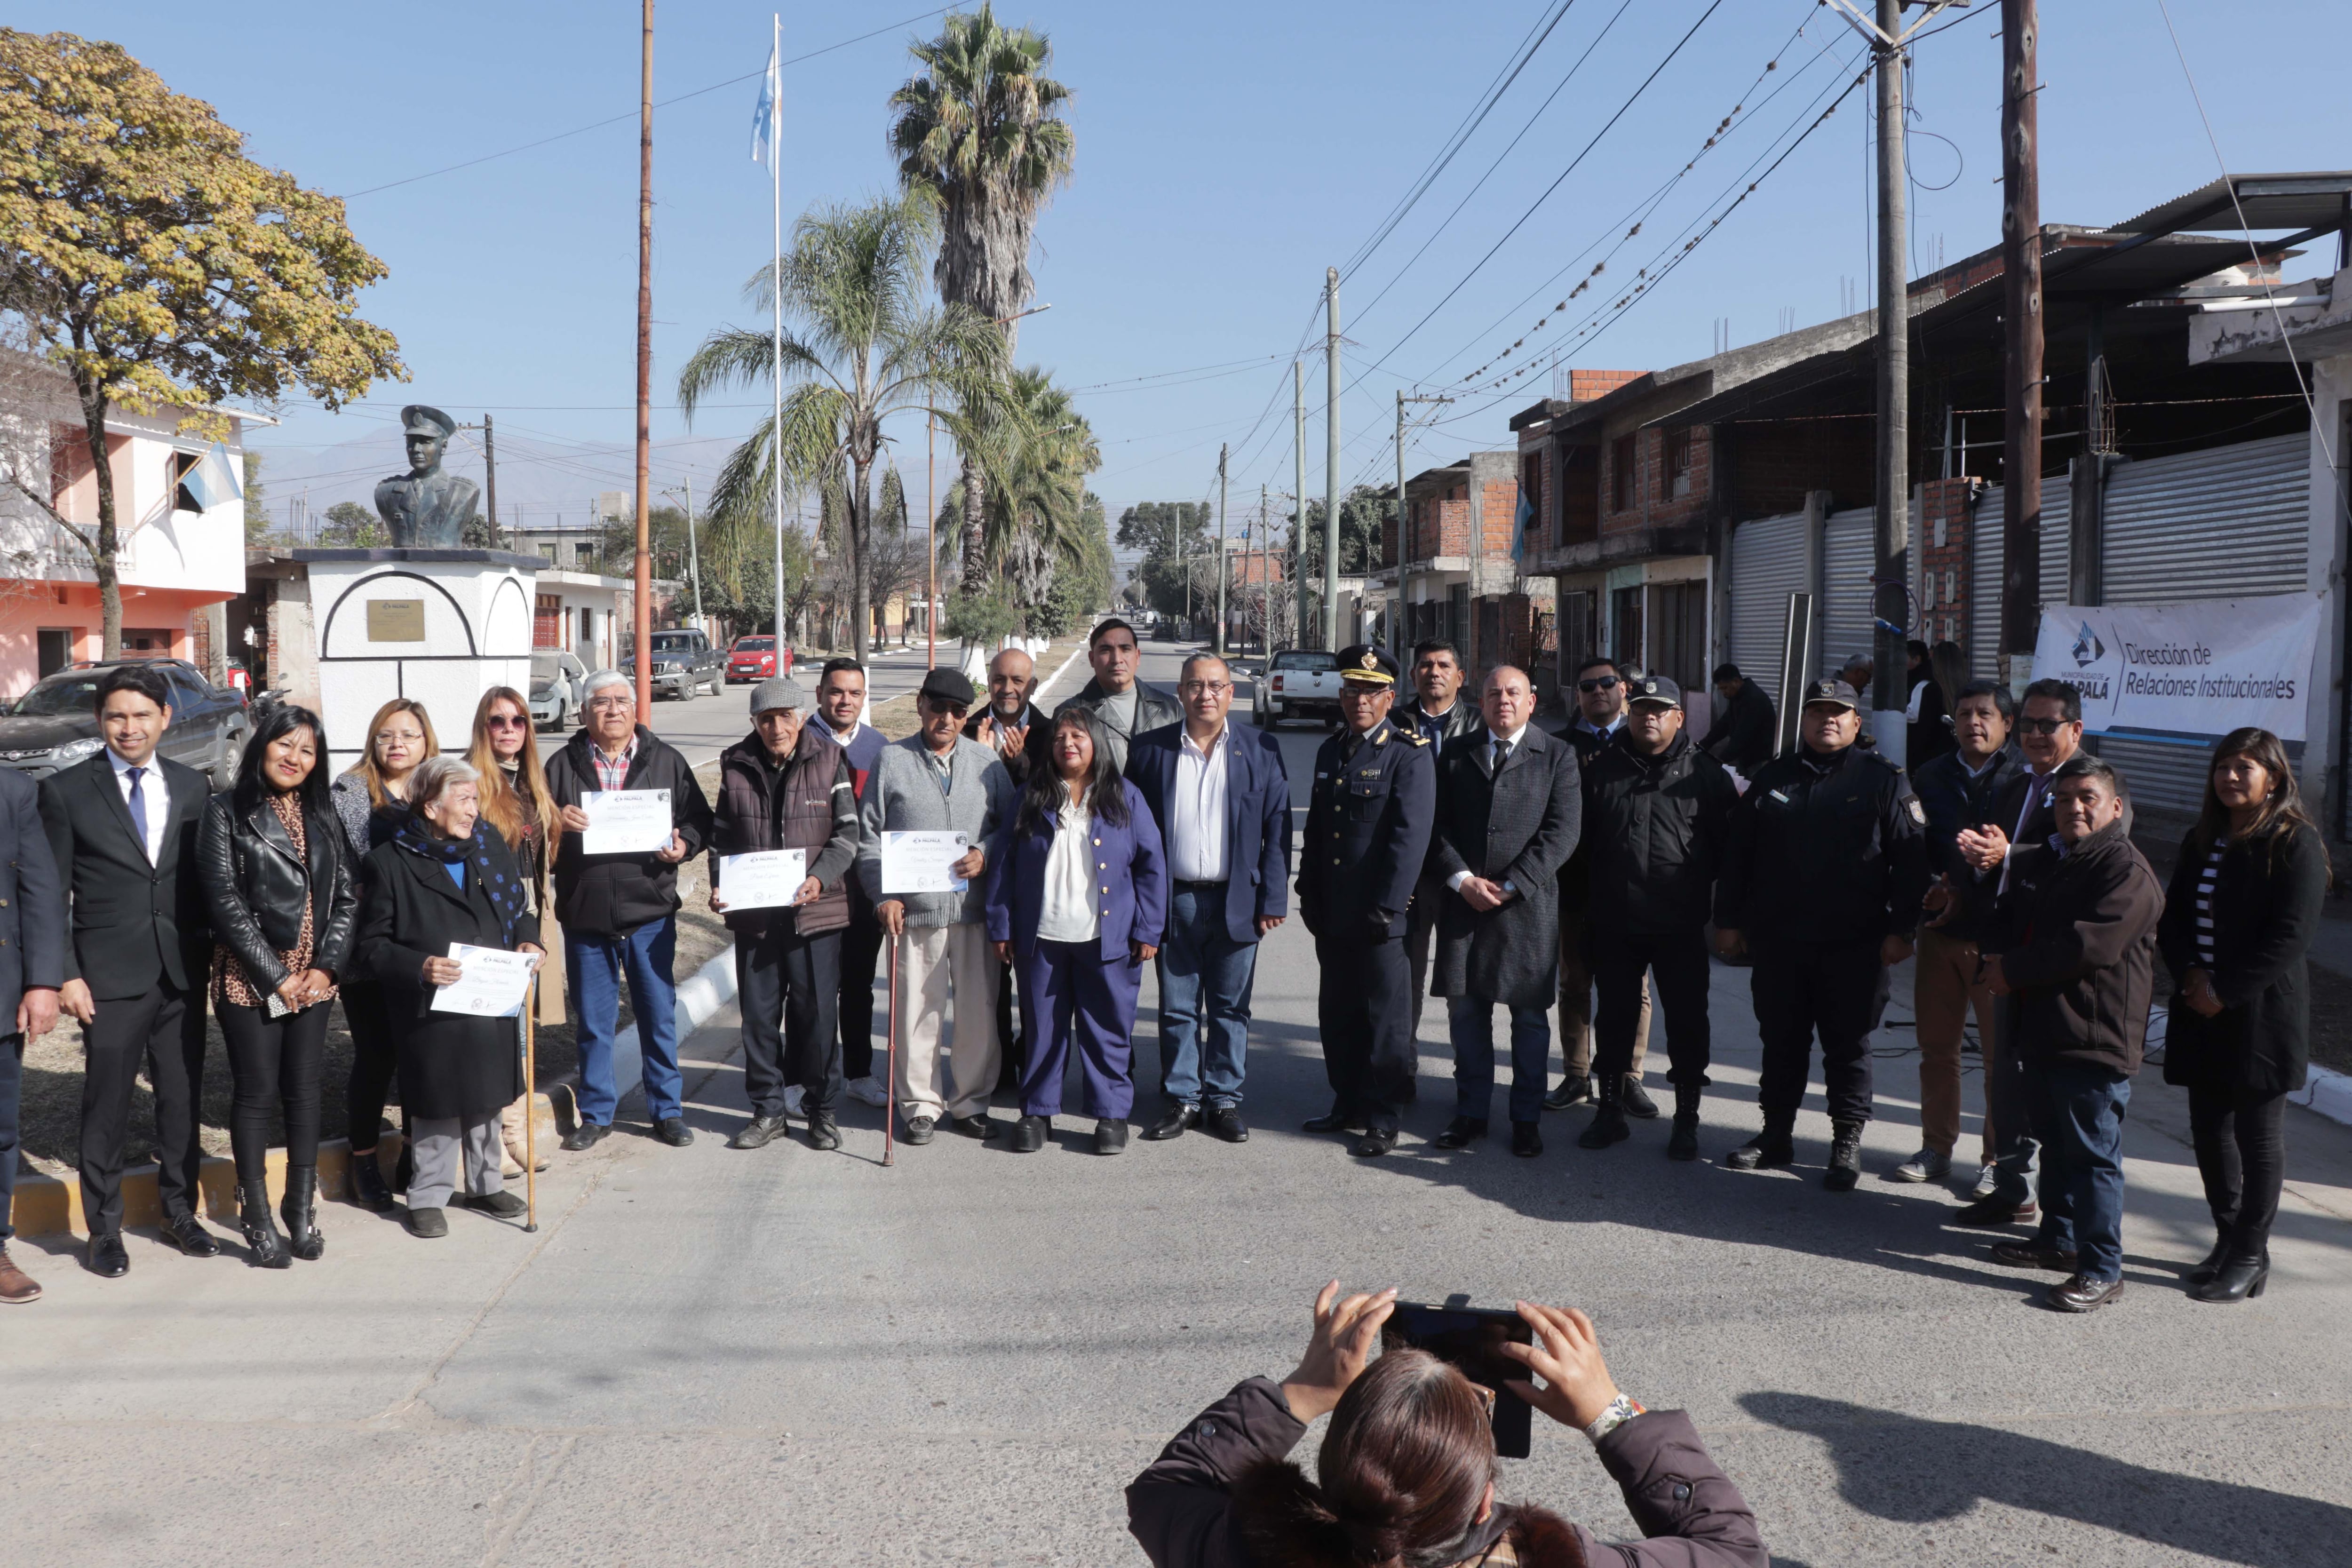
783	841
631	811
934	812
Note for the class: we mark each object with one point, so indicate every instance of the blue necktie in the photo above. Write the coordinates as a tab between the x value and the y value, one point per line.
138	807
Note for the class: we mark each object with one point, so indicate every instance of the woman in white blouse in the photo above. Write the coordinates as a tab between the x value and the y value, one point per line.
1079	902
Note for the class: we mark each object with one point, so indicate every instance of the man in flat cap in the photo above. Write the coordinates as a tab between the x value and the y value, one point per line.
425	508
1369	817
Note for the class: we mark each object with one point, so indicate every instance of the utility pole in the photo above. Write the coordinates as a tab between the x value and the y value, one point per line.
644	617
1396	615
1298	503
1265	632
1331	465
2020	289
1217	643
491	471
931	539
694	560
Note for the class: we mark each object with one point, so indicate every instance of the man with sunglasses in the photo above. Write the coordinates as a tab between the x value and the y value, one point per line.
1599	722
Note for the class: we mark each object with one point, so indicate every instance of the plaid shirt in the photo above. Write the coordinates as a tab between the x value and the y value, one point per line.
613	772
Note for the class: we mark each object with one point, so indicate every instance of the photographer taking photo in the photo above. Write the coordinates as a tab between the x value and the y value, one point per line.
1407	1471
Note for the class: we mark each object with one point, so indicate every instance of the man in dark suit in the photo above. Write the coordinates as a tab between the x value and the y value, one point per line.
32	968
1222	799
1745	738
122	829
1438	713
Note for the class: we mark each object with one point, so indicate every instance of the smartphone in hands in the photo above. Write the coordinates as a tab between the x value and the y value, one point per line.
1467	1338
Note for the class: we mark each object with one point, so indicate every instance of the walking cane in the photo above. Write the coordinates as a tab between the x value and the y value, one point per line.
530	1106
890	1059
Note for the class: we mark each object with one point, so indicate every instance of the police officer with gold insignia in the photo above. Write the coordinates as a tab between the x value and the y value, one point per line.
1368	823
1822	881
427	507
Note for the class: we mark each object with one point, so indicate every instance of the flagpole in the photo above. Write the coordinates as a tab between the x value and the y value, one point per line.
776	281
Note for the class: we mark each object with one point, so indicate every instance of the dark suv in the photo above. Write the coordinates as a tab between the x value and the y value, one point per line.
55	725
684	663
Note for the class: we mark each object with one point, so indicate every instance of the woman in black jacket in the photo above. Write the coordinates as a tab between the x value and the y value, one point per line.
1406	1474
282	903
2238	919
440	882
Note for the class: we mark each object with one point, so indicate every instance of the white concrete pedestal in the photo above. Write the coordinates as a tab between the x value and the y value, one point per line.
445	626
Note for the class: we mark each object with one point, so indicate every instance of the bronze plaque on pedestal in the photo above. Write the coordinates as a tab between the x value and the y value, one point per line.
395	620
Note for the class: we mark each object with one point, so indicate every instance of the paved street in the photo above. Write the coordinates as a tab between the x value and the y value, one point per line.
787	1357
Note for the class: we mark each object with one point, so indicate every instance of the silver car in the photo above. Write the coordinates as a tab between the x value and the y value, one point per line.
558	681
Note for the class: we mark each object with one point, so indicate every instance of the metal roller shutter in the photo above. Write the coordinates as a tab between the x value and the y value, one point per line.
1768	565
2228	523
1849	559
2167	773
1984	572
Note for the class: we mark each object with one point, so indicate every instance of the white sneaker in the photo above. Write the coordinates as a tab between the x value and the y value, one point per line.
867	1091
793	1097
1927	1165
1987	1178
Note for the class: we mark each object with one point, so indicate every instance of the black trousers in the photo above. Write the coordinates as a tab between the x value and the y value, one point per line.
861	952
1008	1075
2241	1142
1804	989
1619	960
374	1058
163	1032
273	1063
1365	1011
787	987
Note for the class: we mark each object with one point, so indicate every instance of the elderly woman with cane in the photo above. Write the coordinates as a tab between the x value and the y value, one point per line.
440	882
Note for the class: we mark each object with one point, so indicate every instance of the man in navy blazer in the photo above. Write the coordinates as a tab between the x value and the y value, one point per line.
32	969
1222	802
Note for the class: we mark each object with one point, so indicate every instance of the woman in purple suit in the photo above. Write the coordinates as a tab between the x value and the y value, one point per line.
1079	902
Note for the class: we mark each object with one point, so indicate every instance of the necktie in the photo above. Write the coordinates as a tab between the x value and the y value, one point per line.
138	807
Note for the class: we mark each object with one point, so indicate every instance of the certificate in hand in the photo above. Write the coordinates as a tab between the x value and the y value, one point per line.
625	821
919	862
491	983
766	879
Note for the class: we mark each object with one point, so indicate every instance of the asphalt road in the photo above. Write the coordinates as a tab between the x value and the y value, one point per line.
787	1357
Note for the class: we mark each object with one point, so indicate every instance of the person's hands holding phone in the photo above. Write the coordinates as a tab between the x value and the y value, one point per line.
1346	1334
1577	1388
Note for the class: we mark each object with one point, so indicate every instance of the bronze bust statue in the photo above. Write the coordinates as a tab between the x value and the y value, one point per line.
425	508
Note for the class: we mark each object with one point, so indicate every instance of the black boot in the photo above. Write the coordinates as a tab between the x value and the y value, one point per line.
368	1189
2238	1278
1773	1146
1846	1157
1608	1124
260	1235
300	1209
2214	1259
1681	1143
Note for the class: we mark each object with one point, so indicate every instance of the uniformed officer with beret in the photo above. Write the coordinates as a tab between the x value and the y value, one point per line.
427	507
1822	882
1367	823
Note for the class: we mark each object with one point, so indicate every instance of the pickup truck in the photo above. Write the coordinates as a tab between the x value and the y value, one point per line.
1299	683
684	663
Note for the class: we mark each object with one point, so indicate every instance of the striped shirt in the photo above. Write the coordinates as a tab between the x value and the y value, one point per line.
2205	880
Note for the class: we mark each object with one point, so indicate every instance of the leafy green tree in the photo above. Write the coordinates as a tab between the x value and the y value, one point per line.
350	526
1034	517
159	267
1363	513
257	528
1170	535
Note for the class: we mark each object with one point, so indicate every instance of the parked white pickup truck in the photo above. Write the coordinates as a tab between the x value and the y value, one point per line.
1299	683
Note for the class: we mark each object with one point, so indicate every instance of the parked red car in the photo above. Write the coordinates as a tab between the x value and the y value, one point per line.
754	658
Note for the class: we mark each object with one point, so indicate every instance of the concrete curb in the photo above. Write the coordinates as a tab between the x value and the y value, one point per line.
700	996
2329	1093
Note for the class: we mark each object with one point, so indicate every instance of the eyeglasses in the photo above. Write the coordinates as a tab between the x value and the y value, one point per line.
2041	726
1604	683
610	704
954	710
1206	688
505	721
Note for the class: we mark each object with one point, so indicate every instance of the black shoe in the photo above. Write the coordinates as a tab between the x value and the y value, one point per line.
1994	1213
300	1209
502	1203
1333	1121
1846	1157
2239	1280
1772	1147
425	1225
268	1247
977	1125
187	1233
1225	1121
1029	1134
1373	1143
2212	1264
1181	1115
1681	1143
1110	1135
368	1189
1637	1099
757	1133
1571	1089
1461	1133
823	1131
2033	1253
918	1129
2082	1295
674	1132
106	1258
1526	1140
1607	1126
587	1135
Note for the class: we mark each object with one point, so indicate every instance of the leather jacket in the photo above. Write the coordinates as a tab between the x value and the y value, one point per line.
254	886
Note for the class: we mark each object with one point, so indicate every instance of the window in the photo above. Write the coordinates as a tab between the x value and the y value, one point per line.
183	465
1623	493
1457	615
583	554
1678	461
1532	485
1625	627
55	649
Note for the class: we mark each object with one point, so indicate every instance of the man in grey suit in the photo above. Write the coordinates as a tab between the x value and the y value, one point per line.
32	968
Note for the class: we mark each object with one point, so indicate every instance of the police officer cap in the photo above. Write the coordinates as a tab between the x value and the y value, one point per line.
1830	690
424	419
1654	688
947	686
1367	664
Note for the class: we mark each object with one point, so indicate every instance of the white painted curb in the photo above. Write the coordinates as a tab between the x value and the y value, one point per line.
2329	1093
701	994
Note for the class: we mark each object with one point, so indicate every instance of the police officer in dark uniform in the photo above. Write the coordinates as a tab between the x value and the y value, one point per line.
1368	823
1822	882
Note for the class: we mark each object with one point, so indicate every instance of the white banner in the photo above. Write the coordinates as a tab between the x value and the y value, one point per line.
2201	669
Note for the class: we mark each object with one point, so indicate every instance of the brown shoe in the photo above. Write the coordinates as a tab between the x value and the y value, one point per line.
2083	1294
17	1287
2032	1254
1988	1214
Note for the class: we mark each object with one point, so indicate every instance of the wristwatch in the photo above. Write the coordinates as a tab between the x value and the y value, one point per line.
1621	1410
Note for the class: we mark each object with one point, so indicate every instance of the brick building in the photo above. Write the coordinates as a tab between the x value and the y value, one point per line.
1446	569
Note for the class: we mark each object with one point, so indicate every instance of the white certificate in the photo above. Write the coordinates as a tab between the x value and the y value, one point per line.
625	821
767	880
919	862
491	983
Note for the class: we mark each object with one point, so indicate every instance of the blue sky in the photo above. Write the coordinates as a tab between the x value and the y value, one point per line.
1226	153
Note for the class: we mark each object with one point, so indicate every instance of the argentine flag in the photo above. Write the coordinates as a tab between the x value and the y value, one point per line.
763	118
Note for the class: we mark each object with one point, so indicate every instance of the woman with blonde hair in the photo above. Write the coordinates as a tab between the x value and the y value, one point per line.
370	800
515	803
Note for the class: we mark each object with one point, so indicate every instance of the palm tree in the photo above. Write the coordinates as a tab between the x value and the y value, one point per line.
1039	450
978	134
865	344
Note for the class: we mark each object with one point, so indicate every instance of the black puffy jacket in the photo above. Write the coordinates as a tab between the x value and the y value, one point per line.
254	886
1824	849
1655	830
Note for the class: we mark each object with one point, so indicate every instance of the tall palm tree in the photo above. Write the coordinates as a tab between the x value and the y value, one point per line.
979	133
865	344
1038	451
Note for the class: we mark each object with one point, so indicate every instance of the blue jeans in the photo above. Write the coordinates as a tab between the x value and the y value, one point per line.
598	965
1470	1025
1205	977
2079	1114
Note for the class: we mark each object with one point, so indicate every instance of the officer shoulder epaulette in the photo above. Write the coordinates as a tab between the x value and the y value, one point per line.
1412	737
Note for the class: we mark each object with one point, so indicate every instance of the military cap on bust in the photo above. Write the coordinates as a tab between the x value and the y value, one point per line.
1832	690
1368	664
1654	689
424	419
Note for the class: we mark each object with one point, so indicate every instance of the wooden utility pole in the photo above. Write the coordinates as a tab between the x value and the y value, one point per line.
2020	287
1217	643
644	628
1298	504
1890	685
